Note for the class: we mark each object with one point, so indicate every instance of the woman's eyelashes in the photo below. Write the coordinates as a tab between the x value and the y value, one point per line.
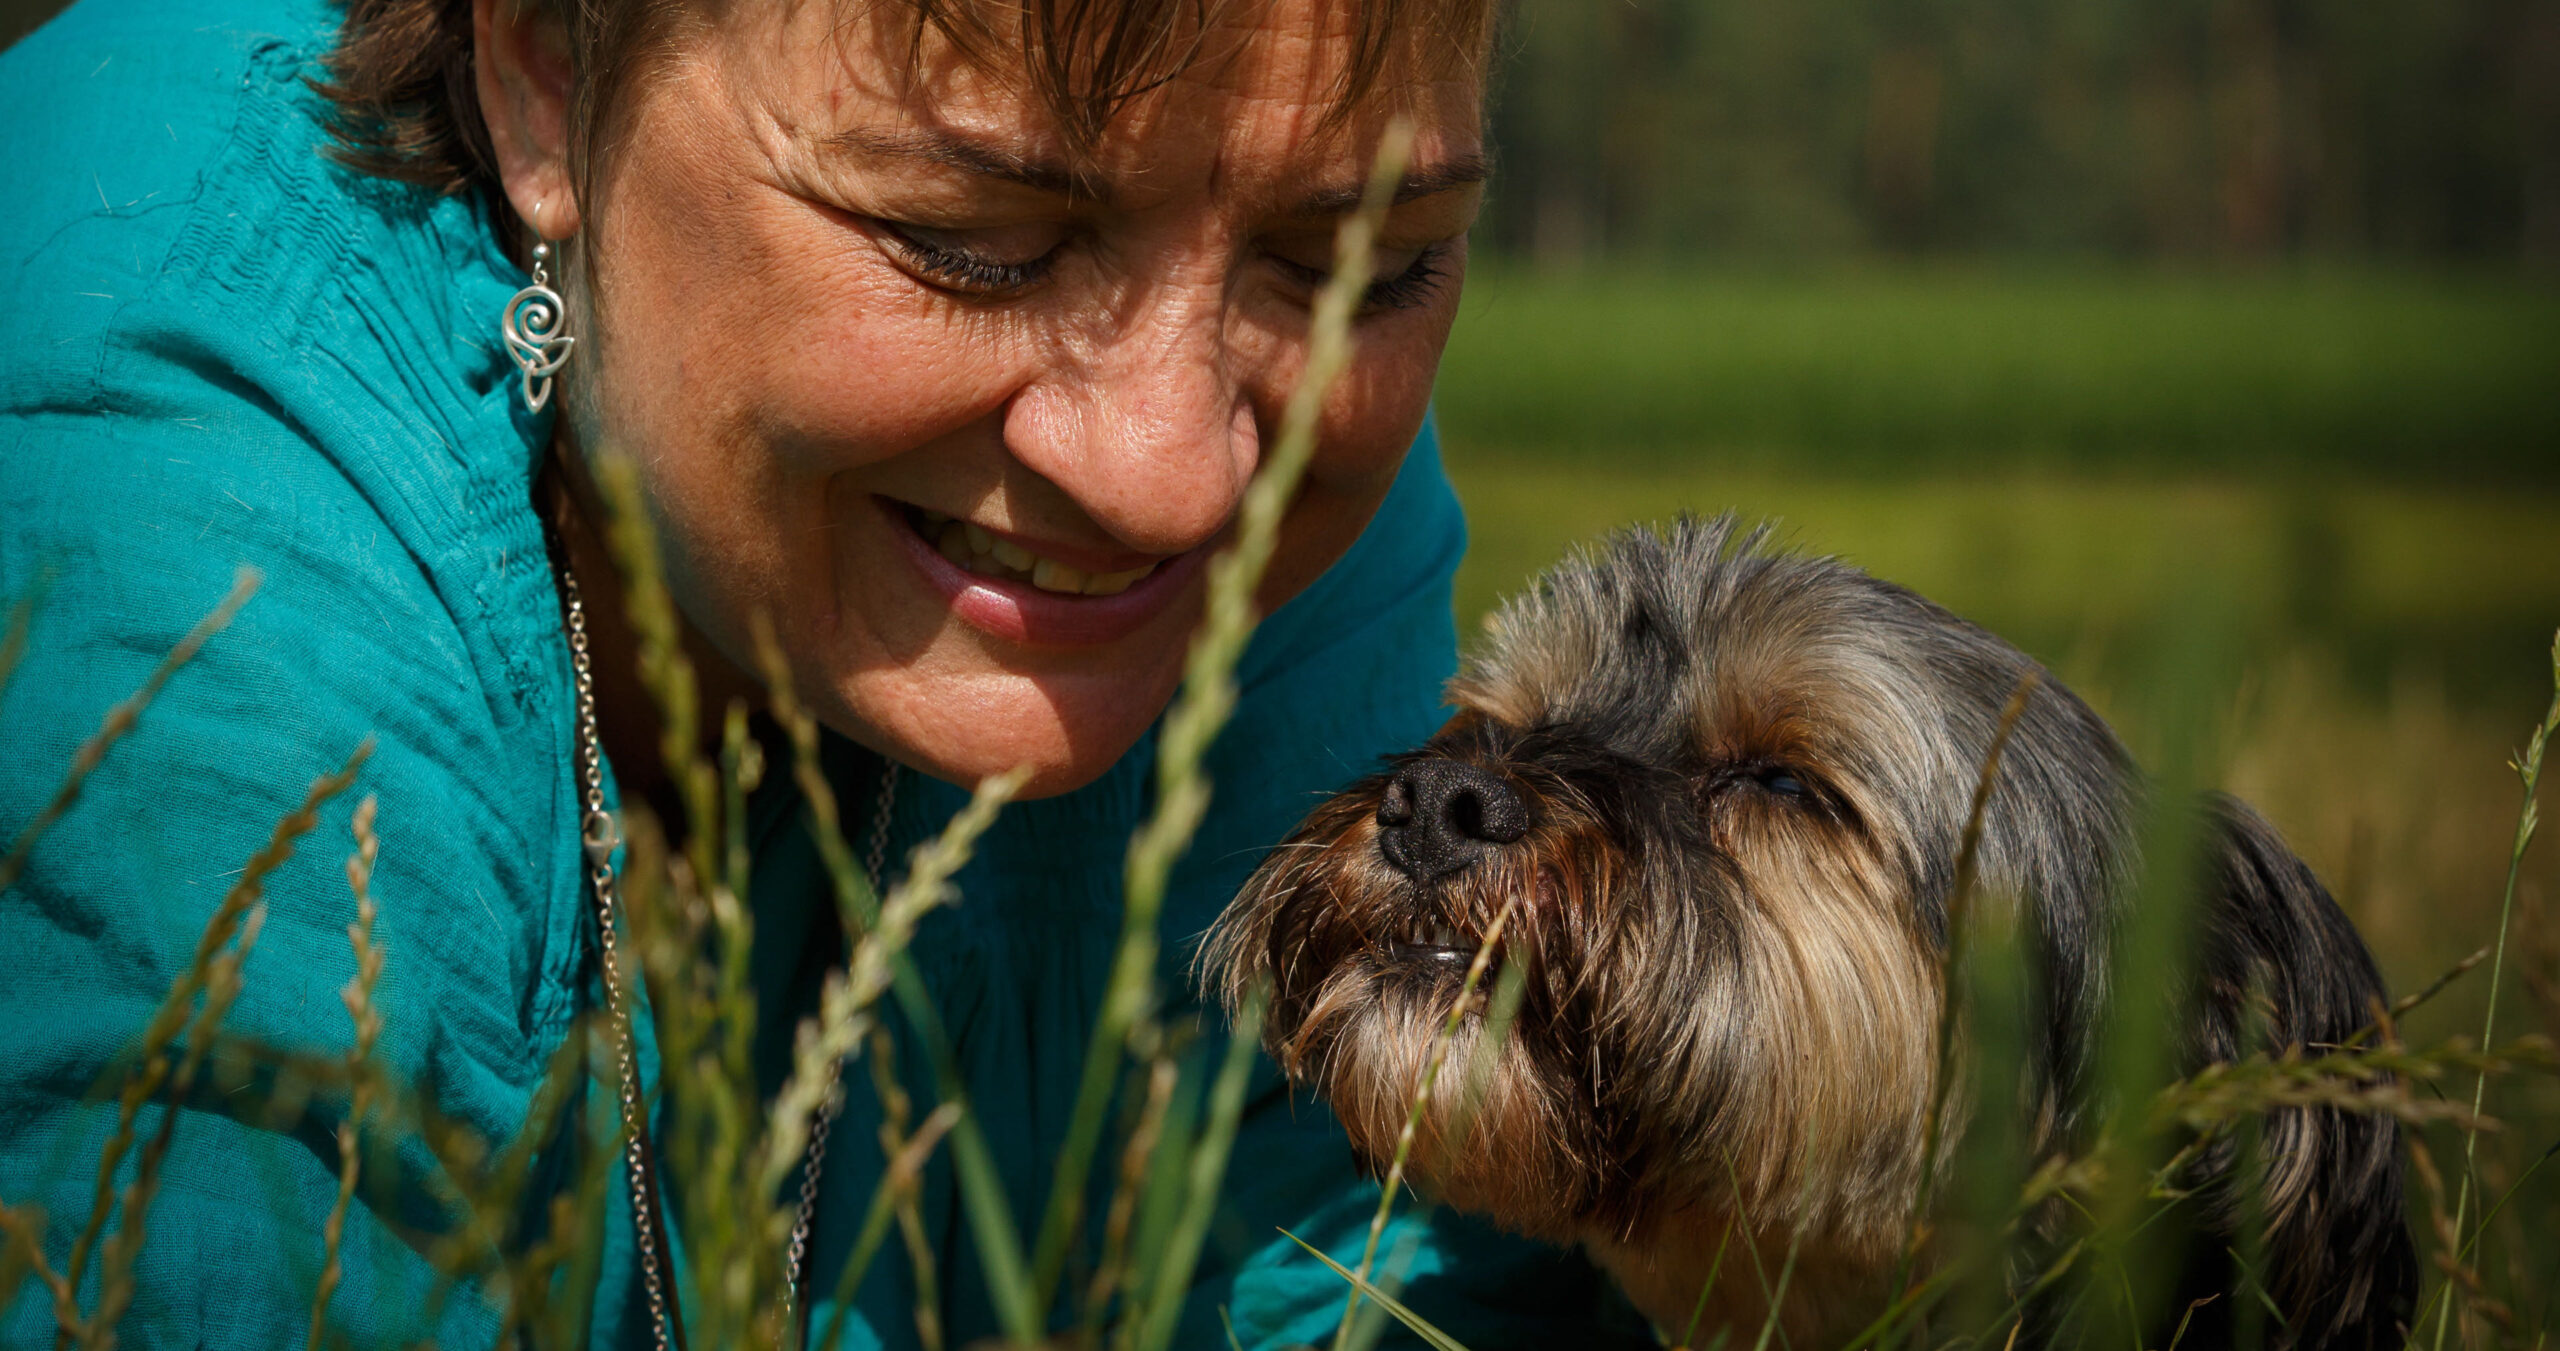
990	262
1000	261
1414	284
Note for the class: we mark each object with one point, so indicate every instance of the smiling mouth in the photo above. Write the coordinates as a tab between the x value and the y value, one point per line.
973	549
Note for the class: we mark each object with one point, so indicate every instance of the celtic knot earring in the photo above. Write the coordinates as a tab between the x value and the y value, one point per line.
531	326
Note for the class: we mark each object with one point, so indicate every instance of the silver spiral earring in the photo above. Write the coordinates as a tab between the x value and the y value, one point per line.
532	326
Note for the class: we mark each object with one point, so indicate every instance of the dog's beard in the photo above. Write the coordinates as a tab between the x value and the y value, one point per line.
1366	967
1731	790
1719	1024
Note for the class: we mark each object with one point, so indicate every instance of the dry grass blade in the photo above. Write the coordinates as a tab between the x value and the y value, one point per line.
161	1034
1431	1336
1152	1328
665	671
13	649
358	996
894	1194
1207	699
1162	1074
2528	768
220	983
1951	991
1421	1104
900	1198
1778	1293
1501	1011
119	720
2446	1229
982	1193
856	901
2403	1005
485	1193
2372	1080
25	1227
116	1286
844	1007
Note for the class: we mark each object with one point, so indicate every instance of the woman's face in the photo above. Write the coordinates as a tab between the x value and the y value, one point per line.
966	415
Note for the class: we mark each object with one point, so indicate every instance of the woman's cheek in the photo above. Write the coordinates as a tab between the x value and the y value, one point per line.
1376	409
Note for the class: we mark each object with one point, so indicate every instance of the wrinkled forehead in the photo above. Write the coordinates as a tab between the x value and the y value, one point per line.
1113	84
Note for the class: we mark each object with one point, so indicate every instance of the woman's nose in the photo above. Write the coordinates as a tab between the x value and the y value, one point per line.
1148	429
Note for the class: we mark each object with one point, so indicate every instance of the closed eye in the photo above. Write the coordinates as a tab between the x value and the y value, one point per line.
1773	778
978	262
1777	780
1413	283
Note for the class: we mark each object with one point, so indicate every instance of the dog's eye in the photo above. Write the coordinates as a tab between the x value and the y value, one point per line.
1784	782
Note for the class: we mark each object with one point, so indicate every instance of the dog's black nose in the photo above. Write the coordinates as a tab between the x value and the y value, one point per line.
1439	816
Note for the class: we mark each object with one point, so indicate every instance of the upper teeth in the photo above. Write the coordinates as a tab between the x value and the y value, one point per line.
972	547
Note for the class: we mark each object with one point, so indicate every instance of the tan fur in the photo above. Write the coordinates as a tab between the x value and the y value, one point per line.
1743	777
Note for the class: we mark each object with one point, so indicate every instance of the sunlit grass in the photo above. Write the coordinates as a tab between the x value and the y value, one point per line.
1892	369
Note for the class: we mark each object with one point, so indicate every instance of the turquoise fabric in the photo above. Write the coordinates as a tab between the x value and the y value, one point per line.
220	350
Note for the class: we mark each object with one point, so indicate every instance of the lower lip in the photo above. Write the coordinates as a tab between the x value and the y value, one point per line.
1022	613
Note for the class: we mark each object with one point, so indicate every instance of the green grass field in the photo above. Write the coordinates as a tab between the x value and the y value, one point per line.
2364	462
2355	478
2416	377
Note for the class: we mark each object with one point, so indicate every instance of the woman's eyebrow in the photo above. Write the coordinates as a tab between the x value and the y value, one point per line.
1420	181
1059	178
972	156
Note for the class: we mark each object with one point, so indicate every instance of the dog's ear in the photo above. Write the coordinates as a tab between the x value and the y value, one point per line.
2337	1254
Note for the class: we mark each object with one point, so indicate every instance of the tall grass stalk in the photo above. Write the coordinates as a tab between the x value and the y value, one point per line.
480	1191
175	1042
1493	1033
844	1007
731	1166
13	649
1431	1336
1162	1073
1151	1327
894	1191
1458	1010
982	1195
2528	768
1207	699
896	1108
358	997
1951	993
119	719
2139	1035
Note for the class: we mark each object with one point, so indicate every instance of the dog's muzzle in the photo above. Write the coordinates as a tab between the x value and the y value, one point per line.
1440	816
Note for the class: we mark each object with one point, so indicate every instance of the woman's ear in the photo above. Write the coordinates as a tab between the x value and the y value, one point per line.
522	67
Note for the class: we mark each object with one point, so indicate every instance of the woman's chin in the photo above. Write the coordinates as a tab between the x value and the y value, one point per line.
1068	728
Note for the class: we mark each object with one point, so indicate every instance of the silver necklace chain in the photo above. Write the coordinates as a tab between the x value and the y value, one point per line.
597	838
874	860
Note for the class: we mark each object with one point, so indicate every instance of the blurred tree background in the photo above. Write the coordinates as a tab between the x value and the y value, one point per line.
2225	129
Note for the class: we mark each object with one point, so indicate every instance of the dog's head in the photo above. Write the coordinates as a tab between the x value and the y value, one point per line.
1724	789
1721	793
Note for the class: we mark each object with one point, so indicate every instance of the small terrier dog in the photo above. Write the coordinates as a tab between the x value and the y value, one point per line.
1726	789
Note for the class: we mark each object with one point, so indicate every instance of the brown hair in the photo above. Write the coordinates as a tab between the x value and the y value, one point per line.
408	106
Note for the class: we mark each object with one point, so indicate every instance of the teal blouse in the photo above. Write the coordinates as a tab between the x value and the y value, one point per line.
218	349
